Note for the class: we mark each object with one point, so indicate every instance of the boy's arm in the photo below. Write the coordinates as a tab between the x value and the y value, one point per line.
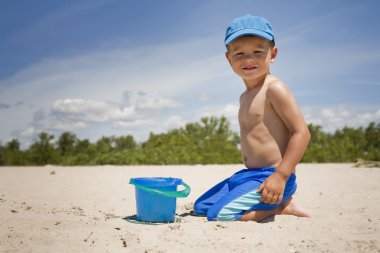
285	105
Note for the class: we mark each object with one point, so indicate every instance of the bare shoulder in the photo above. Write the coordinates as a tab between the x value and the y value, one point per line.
276	85
277	89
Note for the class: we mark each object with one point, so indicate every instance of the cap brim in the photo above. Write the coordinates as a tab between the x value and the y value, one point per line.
245	32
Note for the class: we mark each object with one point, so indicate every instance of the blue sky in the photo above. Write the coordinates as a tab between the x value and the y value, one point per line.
102	68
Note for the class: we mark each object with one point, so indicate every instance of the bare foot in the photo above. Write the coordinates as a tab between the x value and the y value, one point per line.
288	208
291	208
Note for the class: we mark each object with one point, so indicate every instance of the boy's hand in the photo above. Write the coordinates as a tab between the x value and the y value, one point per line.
272	189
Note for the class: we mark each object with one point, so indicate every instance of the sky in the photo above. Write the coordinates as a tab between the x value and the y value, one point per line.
122	67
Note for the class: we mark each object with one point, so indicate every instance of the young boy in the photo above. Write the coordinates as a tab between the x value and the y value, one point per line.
273	133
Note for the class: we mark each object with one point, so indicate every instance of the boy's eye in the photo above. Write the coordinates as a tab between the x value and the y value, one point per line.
239	55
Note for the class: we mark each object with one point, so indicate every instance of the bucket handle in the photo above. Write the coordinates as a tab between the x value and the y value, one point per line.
174	194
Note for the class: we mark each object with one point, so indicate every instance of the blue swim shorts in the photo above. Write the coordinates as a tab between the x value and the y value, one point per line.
231	198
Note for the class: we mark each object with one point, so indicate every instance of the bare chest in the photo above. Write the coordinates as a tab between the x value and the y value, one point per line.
252	107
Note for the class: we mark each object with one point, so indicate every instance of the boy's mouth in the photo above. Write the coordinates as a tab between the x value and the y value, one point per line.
249	68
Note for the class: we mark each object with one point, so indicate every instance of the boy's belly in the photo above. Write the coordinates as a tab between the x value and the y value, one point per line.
260	151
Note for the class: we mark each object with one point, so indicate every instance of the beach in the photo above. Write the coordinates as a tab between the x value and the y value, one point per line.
86	209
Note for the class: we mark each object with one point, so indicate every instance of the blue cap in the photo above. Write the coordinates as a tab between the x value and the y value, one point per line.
249	25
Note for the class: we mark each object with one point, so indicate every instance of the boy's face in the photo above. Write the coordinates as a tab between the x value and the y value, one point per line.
250	57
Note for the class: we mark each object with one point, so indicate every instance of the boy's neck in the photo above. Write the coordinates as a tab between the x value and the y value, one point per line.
250	84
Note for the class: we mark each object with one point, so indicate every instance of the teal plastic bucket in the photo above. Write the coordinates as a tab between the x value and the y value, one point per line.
156	197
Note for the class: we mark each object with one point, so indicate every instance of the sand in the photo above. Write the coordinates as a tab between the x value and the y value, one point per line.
83	209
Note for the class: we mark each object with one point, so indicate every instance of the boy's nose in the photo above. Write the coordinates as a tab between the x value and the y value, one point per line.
249	57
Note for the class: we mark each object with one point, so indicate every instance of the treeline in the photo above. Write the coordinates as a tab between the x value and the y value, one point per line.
210	141
345	145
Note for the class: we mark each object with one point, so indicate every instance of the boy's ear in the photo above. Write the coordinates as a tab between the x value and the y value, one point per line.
228	57
273	54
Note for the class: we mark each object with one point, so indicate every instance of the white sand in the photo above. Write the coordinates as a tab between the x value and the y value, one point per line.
80	209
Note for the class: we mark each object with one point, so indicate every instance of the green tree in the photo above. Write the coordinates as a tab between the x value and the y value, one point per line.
42	151
209	142
66	143
85	153
124	143
13	145
12	155
105	145
372	137
317	149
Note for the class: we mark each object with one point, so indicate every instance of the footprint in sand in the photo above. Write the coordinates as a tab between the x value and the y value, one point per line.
26	207
220	226
108	216
128	237
175	227
188	206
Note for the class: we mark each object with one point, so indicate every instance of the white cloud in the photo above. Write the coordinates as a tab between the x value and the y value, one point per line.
90	110
136	124
58	124
159	123
28	132
333	118
175	122
157	103
204	97
328	113
143	112
229	111
149	101
377	114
